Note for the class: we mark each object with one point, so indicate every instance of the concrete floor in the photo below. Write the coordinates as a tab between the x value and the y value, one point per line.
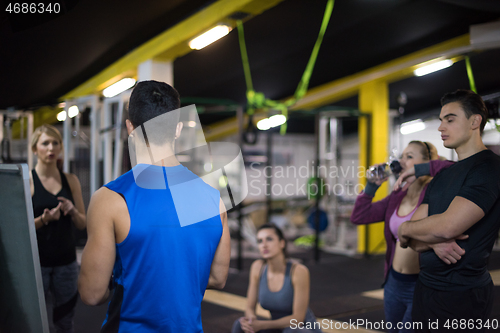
338	286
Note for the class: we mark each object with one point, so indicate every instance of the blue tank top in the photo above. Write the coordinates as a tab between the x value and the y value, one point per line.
162	267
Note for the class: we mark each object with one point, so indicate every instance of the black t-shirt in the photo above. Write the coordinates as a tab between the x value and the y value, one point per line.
477	179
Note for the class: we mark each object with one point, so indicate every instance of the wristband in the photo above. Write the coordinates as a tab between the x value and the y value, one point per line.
423	169
371	188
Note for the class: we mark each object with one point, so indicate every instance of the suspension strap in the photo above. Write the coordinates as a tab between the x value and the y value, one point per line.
470	75
257	100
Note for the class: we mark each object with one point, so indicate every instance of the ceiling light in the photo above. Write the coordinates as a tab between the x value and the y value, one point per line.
118	87
264	124
433	67
412	127
192	123
61	116
273	121
209	37
277	120
73	111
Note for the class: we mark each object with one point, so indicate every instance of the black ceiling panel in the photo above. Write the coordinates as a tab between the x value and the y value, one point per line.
38	64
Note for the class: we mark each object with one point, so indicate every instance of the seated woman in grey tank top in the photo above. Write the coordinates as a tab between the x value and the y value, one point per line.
280	286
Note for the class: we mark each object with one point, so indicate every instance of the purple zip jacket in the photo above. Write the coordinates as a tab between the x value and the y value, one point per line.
365	211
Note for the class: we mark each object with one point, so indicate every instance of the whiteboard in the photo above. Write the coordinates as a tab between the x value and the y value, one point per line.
22	302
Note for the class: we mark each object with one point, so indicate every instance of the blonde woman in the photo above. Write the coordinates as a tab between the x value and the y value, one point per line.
57	207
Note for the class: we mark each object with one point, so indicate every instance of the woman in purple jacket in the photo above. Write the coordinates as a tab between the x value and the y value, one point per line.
401	265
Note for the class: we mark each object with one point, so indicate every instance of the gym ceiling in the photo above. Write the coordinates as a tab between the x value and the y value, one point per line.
45	59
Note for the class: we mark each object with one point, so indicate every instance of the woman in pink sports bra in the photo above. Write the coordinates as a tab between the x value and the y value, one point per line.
402	265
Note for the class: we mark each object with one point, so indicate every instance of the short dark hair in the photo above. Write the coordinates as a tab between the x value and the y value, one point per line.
278	232
471	103
150	99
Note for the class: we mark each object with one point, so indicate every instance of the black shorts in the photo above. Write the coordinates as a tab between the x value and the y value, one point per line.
452	311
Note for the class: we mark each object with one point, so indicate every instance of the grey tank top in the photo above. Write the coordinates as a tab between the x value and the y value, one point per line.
279	303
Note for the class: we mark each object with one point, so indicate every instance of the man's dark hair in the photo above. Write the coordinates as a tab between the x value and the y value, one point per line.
471	103
150	99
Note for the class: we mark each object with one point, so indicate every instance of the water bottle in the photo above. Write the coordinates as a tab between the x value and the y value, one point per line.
379	172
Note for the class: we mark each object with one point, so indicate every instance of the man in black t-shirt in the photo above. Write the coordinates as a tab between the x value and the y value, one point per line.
461	200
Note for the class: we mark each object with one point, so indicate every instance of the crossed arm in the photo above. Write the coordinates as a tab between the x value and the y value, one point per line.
439	232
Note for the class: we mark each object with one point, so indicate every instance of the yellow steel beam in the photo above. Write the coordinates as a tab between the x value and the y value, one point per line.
253	8
168	45
374	100
391	71
363	163
44	115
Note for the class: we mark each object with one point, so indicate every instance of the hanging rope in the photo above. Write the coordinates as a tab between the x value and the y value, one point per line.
470	75
304	82
257	100
246	64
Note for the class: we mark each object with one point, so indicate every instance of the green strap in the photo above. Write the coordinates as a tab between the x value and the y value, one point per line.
304	82
257	100
470	75
246	65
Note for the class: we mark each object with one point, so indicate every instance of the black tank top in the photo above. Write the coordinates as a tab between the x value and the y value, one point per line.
56	241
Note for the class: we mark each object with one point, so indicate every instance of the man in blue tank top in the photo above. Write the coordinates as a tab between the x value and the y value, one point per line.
159	231
456	293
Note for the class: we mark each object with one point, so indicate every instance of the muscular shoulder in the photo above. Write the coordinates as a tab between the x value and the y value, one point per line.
107	200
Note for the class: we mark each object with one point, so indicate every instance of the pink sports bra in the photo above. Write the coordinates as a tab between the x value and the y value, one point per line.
395	221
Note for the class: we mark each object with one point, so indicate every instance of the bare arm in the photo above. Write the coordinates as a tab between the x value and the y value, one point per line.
301	285
220	264
407	177
431	168
99	253
253	289
460	216
252	295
